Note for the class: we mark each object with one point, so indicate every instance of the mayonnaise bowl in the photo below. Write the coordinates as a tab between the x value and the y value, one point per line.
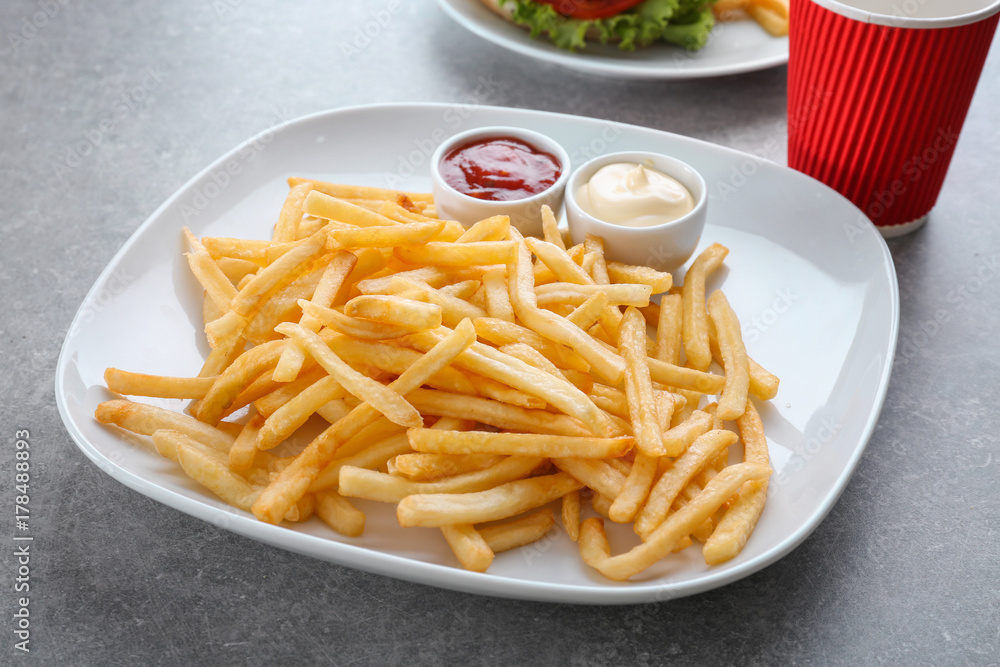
665	246
525	213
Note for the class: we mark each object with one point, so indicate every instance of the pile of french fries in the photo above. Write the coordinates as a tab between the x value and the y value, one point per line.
772	15
471	376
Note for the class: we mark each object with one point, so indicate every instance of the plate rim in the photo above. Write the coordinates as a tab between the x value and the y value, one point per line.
444	575
581	63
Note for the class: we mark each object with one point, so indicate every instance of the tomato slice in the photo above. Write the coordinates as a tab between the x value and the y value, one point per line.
591	9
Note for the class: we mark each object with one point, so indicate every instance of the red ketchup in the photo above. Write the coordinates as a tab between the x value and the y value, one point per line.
500	169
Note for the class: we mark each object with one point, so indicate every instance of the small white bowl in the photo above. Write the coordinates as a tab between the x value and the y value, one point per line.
525	214
663	247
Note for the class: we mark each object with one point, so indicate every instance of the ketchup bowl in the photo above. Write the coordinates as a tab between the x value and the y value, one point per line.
499	171
665	246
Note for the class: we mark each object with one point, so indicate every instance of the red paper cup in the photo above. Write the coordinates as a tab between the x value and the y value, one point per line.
877	94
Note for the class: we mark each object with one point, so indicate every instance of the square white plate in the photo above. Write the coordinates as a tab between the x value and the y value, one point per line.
808	274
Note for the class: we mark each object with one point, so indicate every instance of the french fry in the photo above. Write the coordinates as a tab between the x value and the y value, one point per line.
395	311
521	444
595	550
159	386
558	261
294	481
497	298
422	467
338	513
414	233
374	485
695	318
705	448
291	213
518	532
571	514
550	228
468	546
658	281
494	228
389	403
499	502
596	475
738	522
733	400
638	386
324	206
522	296
145	419
457	254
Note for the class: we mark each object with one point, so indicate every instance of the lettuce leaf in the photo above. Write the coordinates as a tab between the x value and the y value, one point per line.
683	22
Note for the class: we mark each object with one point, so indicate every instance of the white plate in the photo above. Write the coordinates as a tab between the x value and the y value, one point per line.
809	276
741	46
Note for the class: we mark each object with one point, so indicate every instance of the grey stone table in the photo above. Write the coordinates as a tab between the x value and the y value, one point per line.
905	570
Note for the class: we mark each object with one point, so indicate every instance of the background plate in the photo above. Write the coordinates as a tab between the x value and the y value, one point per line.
741	46
809	276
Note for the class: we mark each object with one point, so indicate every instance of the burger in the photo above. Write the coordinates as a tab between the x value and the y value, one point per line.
628	23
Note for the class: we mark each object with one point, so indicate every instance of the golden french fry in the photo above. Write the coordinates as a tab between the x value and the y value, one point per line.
733	400
668	330
559	262
606	365
395	311
499	332
635	490
291	213
518	532
738	522
673	481
494	413
145	419
414	233
522	444
293	482
423	467
638	386
244	449
497	298
282	271
469	547
571	514
322	205
293	414
457	254
158	386
550	229
499	502
664	539
658	281
494	228
374	485
386	401
695	318
596	475
772	15
338	513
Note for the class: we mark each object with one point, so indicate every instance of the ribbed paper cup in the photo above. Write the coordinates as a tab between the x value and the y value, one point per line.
878	91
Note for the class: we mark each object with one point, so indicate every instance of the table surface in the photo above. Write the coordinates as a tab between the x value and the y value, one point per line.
904	570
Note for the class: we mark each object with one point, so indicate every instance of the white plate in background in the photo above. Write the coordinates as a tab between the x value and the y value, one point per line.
733	48
809	276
